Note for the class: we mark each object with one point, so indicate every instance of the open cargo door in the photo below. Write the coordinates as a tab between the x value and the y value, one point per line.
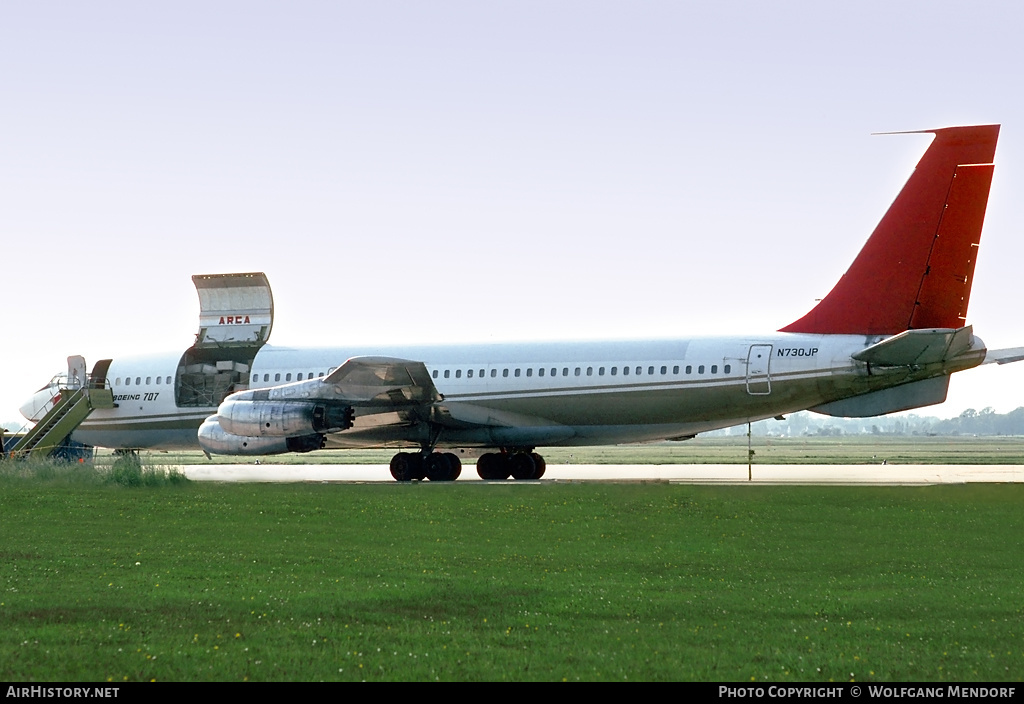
236	314
235	310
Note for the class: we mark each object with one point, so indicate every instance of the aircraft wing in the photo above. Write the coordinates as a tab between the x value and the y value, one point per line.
363	393
385	381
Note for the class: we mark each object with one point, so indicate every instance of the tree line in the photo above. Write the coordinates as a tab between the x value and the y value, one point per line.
970	422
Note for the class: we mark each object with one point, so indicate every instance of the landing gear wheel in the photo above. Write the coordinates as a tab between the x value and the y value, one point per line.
523	466
436	466
442	467
541	465
421	467
406	466
493	466
456	464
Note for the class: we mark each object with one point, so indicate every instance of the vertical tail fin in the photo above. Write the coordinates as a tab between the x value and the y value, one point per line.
916	269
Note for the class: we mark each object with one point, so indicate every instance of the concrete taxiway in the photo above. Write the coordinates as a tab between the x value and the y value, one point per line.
808	474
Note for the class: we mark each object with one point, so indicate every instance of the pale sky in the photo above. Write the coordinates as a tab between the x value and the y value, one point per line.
431	171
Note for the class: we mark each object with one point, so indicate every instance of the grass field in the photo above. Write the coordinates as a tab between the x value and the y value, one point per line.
534	581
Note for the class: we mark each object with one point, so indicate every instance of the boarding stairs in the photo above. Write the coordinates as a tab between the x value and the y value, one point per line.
72	406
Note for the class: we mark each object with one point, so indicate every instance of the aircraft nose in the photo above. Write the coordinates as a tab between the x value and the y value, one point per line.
40	402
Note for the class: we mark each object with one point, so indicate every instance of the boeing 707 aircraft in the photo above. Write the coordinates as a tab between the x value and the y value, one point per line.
885	339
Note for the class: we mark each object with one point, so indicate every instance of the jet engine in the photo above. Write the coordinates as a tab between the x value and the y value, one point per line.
283	418
215	440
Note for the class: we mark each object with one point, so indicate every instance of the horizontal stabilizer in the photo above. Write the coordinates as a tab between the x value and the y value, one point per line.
915	347
1004	356
927	392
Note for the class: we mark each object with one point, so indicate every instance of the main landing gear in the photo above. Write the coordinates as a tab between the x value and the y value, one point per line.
518	465
435	466
446	466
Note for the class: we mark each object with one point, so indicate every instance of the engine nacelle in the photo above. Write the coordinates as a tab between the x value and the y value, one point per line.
215	440
282	419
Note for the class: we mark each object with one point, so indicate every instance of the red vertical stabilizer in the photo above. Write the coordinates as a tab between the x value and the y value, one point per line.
916	269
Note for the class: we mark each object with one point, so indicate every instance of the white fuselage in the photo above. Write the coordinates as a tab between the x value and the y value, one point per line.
530	394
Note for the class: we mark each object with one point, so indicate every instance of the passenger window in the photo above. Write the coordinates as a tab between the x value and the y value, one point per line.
600	371
494	373
700	369
469	373
615	370
625	371
277	376
117	382
149	380
321	374
458	373
138	381
435	373
540	372
675	369
481	373
554	372
517	372
255	378
650	370
565	371
664	371
447	373
288	376
590	371
689	369
266	377
504	372
529	372
728	368
577	372
714	368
